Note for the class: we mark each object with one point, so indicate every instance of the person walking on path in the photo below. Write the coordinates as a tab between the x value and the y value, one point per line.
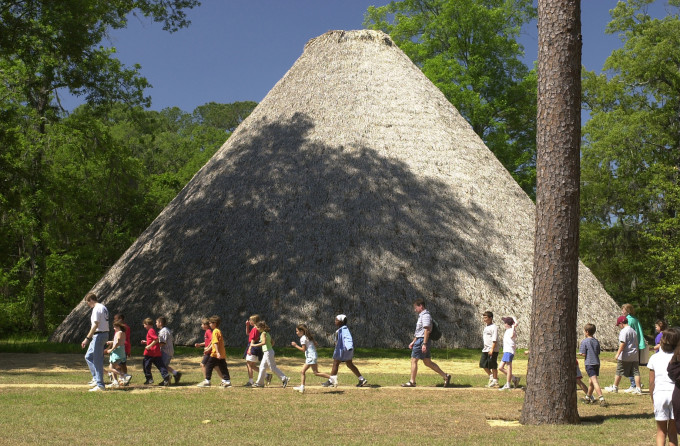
343	352
96	338
420	346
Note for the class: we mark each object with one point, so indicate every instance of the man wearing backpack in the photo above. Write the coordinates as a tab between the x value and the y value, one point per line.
420	347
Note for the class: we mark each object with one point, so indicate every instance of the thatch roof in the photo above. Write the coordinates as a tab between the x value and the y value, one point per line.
354	187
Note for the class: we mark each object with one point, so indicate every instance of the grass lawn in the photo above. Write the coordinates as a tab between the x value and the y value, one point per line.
44	400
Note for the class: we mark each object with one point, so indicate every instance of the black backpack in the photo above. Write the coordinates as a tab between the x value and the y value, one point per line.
435	332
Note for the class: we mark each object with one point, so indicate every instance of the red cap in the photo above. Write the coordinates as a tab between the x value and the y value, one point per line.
621	320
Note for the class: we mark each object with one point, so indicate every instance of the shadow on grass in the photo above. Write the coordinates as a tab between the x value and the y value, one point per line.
599	419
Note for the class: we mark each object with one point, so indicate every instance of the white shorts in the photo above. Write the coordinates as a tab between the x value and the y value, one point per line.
252	358
663	408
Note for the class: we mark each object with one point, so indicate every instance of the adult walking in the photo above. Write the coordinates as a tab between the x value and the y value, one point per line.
420	346
96	338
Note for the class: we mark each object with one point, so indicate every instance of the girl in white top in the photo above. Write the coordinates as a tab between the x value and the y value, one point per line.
509	339
661	388
307	345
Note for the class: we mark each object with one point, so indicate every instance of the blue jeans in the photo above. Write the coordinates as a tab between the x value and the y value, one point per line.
95	356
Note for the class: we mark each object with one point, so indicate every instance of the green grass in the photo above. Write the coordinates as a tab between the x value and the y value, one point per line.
383	414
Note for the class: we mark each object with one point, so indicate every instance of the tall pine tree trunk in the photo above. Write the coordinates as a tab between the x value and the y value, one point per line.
551	379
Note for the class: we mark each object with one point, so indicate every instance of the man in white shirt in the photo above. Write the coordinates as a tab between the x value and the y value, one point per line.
420	346
96	337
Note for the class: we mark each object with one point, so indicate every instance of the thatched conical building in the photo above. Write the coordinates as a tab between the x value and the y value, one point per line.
354	187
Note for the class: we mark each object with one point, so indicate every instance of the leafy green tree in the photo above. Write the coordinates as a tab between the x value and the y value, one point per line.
630	229
46	46
469	49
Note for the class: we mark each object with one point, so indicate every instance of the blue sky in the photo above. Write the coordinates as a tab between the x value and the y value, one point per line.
236	50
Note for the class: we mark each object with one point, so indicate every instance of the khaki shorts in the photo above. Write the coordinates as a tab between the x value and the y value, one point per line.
627	368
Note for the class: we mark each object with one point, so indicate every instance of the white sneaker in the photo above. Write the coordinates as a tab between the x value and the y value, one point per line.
204	383
96	389
334	381
284	381
637	391
126	379
612	389
494	383
505	387
629	390
225	383
300	389
113	385
92	384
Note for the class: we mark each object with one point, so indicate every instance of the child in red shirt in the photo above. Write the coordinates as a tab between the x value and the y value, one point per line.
207	340
218	355
253	355
152	355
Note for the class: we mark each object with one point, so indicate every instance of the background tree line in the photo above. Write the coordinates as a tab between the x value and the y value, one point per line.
77	188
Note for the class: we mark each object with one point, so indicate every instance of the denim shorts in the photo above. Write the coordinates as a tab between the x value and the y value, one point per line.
417	350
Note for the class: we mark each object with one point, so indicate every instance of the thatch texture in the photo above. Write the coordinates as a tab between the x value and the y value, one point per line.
354	187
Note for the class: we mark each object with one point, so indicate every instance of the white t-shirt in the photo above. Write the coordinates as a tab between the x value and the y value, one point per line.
100	314
311	348
509	341
165	336
630	347
491	336
659	363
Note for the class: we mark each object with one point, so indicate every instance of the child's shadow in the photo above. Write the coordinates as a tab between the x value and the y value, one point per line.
455	386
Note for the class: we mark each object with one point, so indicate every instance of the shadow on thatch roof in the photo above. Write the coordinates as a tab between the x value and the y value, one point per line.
354	187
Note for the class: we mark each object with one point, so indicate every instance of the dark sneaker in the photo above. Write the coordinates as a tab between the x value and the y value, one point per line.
148	382
328	383
408	384
284	381
248	384
268	379
447	380
165	383
362	382
177	377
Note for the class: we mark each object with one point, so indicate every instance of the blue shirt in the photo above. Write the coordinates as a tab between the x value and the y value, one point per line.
591	347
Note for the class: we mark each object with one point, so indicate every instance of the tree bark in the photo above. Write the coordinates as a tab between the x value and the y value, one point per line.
551	379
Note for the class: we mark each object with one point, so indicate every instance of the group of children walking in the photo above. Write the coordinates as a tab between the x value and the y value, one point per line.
260	356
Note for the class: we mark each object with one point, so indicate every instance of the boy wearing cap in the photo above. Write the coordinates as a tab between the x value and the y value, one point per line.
627	362
509	342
